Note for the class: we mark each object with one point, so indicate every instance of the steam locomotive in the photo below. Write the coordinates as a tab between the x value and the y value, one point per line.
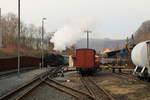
55	60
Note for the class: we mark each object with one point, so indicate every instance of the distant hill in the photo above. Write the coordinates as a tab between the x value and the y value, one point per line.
98	44
143	32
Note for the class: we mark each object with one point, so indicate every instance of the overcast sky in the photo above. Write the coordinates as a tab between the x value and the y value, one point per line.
115	19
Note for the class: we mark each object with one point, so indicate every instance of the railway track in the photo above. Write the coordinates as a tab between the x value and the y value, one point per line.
19	92
24	91
68	90
96	91
126	76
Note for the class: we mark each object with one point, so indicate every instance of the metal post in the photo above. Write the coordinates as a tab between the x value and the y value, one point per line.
87	31
133	40
18	36
0	30
43	41
42	45
87	39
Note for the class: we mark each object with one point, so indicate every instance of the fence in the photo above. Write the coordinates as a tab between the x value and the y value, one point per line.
25	62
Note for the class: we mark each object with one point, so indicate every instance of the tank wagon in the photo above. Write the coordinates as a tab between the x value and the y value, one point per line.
140	56
84	61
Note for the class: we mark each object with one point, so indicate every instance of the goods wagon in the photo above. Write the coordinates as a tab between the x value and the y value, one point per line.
84	61
140	56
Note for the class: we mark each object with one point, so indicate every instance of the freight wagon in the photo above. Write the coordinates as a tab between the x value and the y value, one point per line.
115	61
84	61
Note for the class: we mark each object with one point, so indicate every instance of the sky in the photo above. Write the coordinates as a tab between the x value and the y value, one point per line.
115	19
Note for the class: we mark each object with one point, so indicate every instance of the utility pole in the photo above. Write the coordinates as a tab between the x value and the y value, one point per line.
43	41
132	38
0	30
127	40
88	31
18	36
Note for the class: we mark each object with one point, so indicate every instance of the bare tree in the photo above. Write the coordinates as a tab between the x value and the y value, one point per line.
9	28
30	34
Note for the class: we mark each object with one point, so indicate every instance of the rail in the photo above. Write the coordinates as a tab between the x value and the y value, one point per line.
95	90
33	83
24	90
126	76
76	93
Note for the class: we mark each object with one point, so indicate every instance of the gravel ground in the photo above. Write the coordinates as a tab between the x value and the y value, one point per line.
120	88
72	79
123	89
44	92
7	84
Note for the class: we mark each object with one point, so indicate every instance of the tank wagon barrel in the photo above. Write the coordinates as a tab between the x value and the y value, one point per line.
140	56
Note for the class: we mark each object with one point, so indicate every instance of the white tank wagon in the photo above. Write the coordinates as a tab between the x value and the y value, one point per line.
140	56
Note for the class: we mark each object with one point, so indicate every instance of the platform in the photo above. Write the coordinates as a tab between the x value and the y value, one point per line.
11	82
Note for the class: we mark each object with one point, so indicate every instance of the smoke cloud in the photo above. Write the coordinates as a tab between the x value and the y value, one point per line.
71	33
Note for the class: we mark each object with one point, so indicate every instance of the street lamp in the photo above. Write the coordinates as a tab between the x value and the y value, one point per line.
43	19
18	36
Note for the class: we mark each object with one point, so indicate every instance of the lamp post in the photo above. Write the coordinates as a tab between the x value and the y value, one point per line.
18	36
43	19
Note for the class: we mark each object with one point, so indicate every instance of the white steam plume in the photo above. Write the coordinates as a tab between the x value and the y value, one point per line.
70	33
